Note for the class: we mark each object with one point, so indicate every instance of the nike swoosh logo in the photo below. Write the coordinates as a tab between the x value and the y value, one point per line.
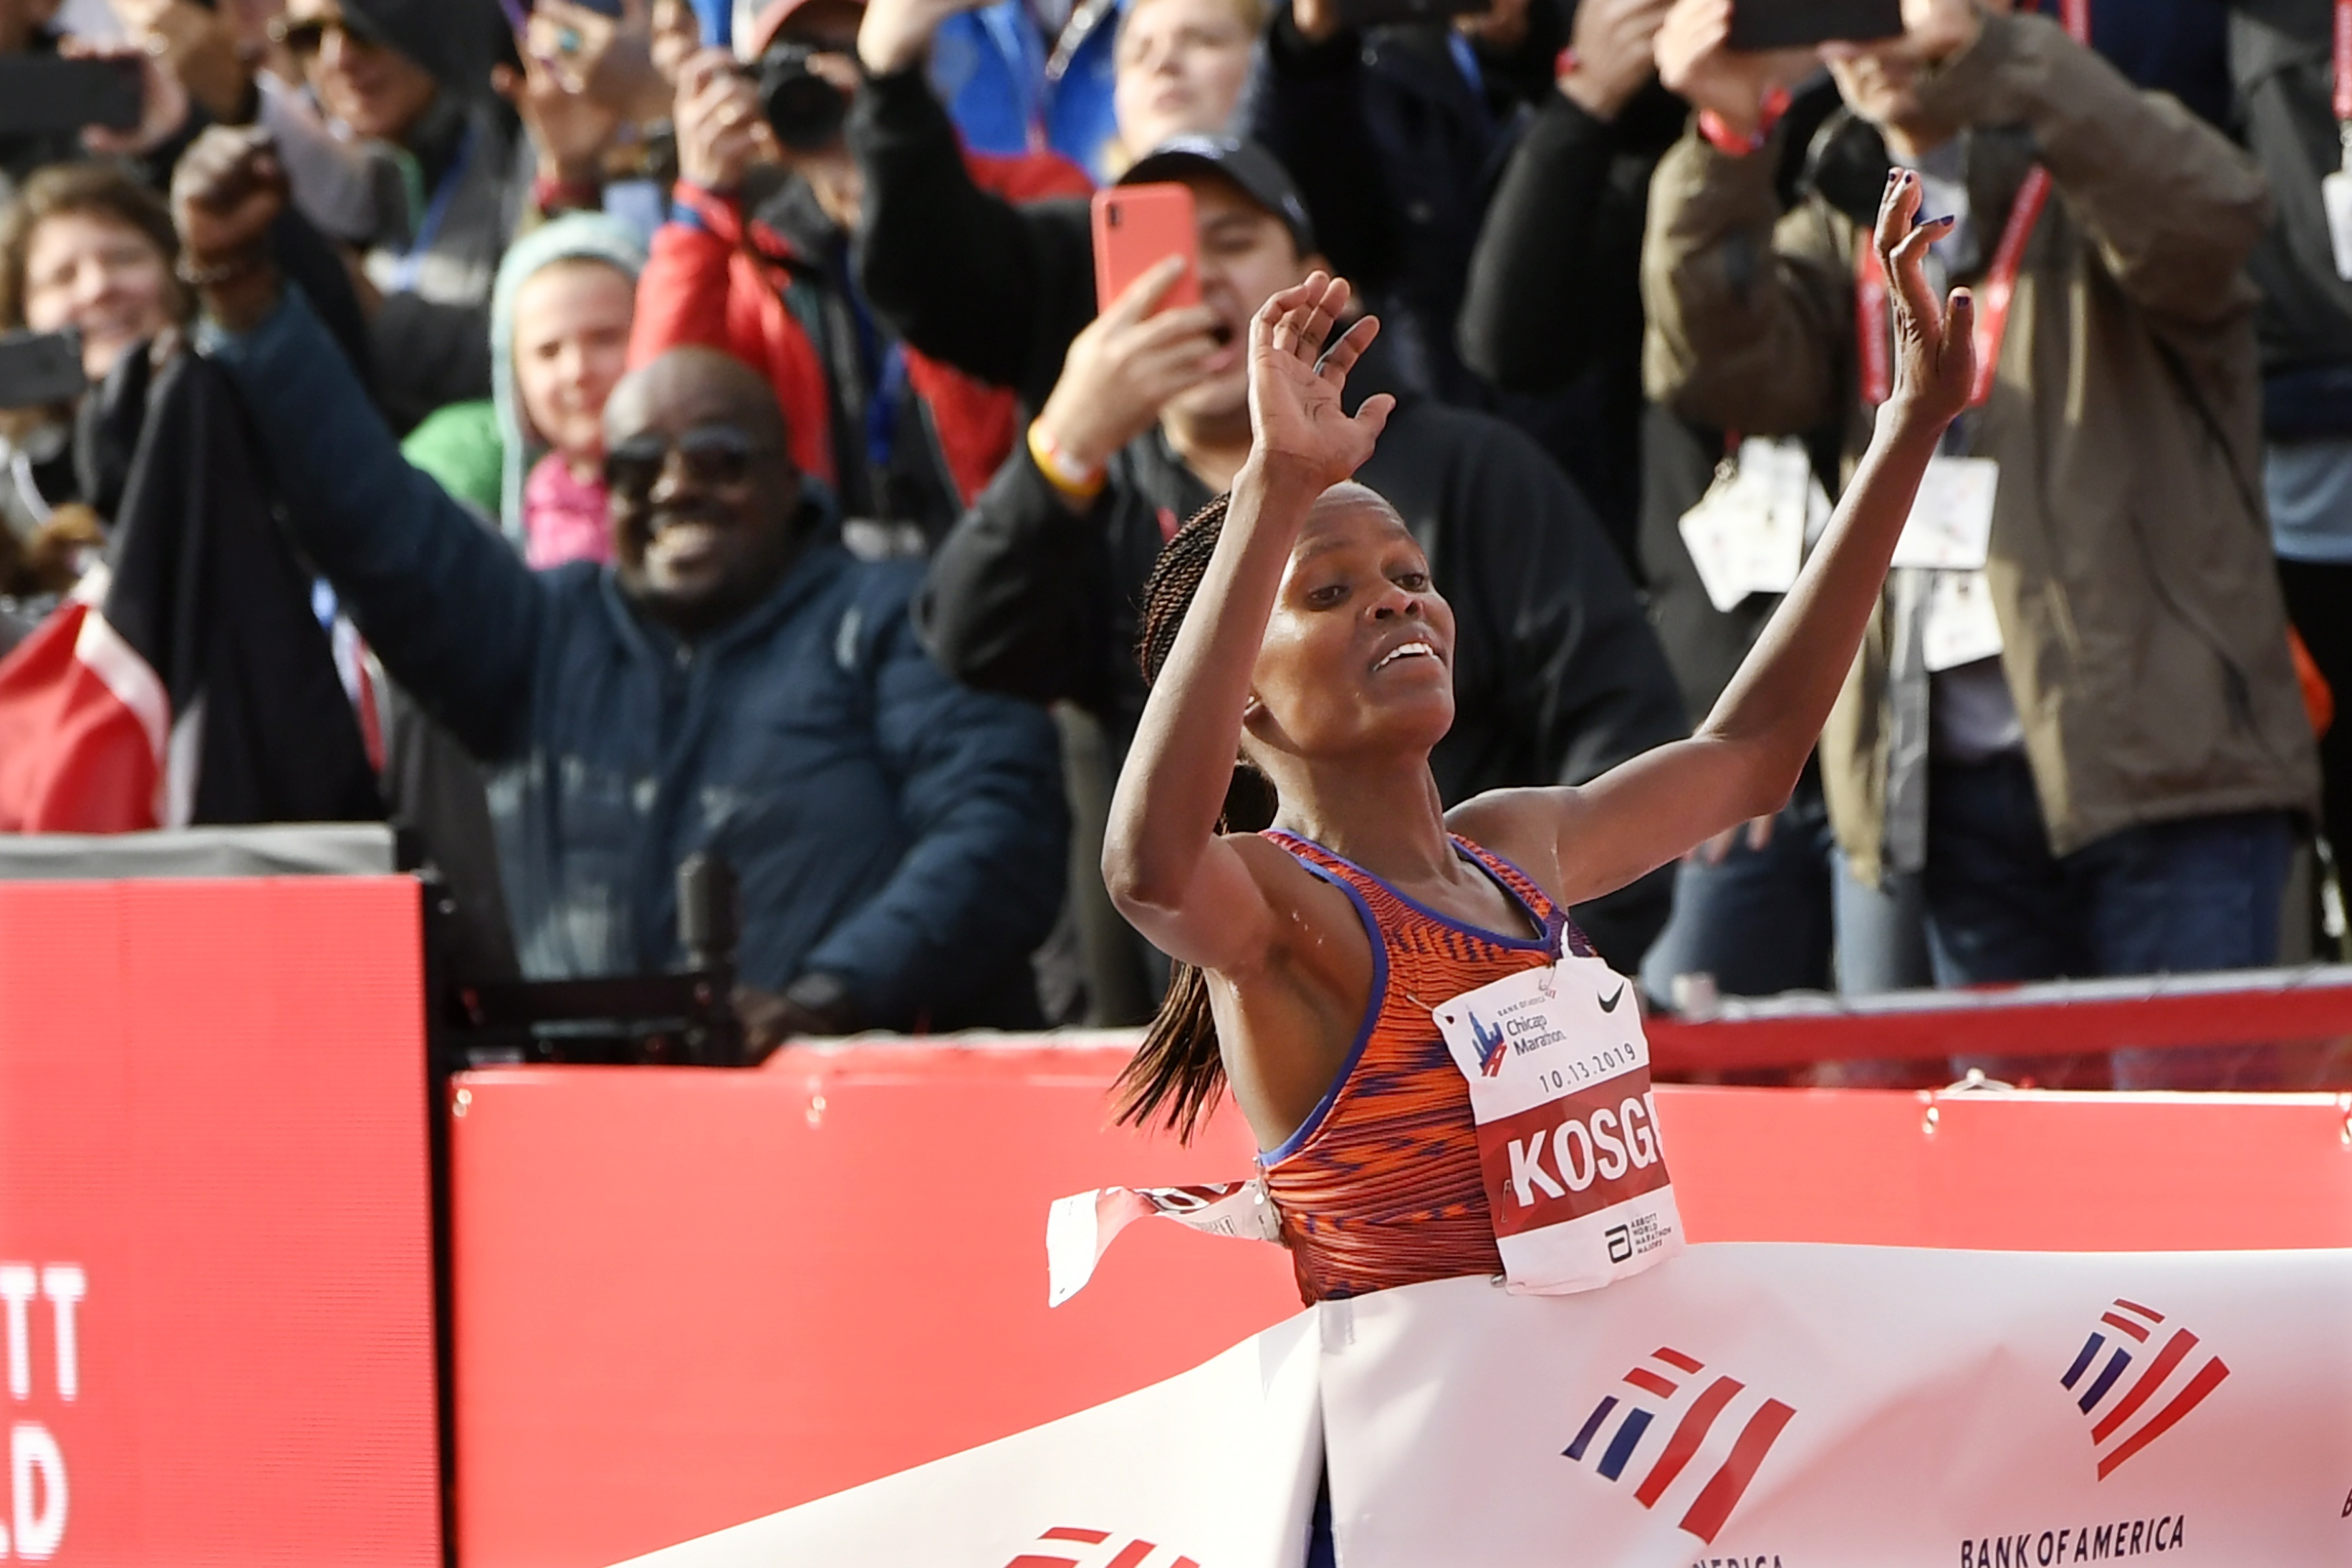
1609	1003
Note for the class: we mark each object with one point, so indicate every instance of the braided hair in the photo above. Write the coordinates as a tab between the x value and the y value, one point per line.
1177	1075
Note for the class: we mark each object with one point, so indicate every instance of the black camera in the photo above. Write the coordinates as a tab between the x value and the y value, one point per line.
803	110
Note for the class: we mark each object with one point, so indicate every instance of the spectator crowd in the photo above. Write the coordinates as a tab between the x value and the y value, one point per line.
591	433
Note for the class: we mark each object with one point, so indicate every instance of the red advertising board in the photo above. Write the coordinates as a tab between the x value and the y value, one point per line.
688	1298
215	1281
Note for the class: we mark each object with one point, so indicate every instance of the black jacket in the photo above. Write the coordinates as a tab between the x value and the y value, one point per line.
974	281
903	478
1556	676
2281	59
1551	315
1395	147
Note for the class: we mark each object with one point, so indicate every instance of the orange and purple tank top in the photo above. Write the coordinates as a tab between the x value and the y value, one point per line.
1379	1187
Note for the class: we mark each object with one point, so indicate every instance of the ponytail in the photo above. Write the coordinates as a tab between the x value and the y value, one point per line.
1177	1075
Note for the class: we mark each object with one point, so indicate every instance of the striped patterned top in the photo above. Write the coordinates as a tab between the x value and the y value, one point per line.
1379	1187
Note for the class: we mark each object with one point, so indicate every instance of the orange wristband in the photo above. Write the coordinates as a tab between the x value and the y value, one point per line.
1063	471
1723	139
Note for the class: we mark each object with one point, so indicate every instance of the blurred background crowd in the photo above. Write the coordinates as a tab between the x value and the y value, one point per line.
587	432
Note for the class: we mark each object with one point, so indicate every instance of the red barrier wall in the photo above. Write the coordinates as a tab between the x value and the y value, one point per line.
215	1224
688	1298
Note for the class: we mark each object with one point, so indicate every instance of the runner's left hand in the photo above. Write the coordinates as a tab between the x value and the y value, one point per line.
1935	341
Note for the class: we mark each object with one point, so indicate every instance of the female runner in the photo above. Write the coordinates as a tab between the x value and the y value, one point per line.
1293	626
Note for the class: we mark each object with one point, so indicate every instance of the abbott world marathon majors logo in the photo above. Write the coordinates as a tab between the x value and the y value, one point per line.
2128	1411
34	1522
1618	1433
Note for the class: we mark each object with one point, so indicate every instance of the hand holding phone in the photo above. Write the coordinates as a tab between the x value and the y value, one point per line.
1697	59
1147	346
1614	51
1137	228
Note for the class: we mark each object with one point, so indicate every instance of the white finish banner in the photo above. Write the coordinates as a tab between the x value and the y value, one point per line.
1742	1406
1770	1406
1216	1467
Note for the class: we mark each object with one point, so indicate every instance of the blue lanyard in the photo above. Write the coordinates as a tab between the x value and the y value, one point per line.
885	367
1465	60
436	213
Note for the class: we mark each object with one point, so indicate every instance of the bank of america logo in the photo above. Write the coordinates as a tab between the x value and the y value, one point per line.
2123	1339
1074	1547
1663	1376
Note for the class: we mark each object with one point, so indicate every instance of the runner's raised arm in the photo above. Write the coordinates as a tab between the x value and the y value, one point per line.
1747	757
1167	869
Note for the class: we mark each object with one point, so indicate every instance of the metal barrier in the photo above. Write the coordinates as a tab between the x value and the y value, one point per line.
2310	1009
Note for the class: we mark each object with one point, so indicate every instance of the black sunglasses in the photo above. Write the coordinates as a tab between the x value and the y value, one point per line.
306	38
713	455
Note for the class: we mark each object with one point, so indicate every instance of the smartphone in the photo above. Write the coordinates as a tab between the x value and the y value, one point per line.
39	369
42	92
1801	24
1378	13
1137	228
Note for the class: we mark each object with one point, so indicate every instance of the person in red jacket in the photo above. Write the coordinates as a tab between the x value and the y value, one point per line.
756	261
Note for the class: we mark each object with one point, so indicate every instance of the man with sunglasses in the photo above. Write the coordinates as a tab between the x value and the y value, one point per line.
734	682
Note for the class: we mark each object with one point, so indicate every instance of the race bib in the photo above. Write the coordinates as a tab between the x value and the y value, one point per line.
1568	1136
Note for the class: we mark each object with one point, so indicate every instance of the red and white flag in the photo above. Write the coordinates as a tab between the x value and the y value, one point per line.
190	680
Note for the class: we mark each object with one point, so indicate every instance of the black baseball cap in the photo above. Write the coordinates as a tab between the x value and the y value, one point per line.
1256	171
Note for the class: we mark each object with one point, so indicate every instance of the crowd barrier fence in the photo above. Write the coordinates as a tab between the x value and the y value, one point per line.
216	1248
689	1299
682	1298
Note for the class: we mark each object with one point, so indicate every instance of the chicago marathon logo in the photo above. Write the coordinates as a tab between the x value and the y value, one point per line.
1657	1385
1490	1038
2123	1422
1074	1547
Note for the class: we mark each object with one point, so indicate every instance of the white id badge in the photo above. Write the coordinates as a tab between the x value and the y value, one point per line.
1774	546
1568	1139
1961	627
1950	526
1747	533
2336	195
1709	531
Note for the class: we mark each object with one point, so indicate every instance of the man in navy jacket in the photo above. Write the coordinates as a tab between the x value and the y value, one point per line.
734	680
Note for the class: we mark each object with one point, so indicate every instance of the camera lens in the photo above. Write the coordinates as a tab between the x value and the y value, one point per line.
805	111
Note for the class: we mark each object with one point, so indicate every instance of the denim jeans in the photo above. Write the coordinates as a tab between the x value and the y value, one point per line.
1788	916
2199	893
